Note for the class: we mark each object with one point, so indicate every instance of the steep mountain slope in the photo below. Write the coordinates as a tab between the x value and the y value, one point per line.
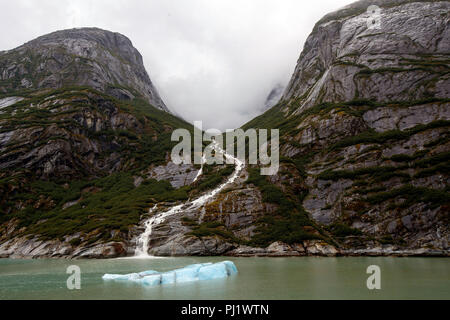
365	121
72	157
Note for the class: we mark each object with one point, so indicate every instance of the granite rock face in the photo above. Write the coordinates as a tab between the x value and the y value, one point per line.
403	58
70	142
93	57
365	121
178	175
69	105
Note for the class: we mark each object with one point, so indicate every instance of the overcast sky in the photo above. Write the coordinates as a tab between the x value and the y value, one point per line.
211	60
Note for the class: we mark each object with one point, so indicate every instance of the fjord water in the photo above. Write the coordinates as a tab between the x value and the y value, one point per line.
258	278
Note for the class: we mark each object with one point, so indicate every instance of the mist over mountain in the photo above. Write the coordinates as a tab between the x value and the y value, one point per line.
274	96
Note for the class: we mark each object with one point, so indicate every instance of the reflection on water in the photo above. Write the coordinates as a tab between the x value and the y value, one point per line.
258	278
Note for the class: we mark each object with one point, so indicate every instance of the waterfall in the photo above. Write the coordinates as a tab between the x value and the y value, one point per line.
142	246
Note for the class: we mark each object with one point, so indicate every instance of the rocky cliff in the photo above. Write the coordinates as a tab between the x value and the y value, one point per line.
365	121
93	57
403	58
80	123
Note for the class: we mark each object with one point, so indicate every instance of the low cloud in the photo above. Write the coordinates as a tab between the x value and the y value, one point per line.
214	61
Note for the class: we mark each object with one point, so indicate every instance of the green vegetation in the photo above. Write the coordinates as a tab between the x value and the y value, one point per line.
382	137
211	229
268	120
393	69
103	205
212	178
435	159
433	164
443	139
188	222
113	203
343	230
440	168
379	173
278	119
287	223
434	198
75	242
387	239
141	146
299	161
408	158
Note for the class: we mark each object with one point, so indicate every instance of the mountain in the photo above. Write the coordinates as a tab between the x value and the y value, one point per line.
274	96
100	59
80	123
364	127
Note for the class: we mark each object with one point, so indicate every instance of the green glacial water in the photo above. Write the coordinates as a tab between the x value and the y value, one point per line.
258	278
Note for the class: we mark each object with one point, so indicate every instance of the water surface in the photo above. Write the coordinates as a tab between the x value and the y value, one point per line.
258	278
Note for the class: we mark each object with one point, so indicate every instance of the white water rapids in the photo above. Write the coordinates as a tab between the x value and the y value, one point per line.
158	218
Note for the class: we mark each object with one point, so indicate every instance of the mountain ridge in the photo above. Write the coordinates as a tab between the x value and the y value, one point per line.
103	60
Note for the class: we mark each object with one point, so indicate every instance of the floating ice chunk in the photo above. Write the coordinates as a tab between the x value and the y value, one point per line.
193	272
151	280
231	267
147	273
130	276
214	271
168	277
122	277
187	274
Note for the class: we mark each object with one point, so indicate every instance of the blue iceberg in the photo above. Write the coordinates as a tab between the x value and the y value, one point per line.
193	272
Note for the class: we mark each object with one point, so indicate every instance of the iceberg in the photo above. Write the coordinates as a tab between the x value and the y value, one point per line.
190	273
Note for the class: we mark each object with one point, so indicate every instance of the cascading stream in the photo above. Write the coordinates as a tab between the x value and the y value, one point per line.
143	240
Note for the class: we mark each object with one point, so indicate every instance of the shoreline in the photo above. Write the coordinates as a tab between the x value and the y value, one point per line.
24	248
348	253
431	256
